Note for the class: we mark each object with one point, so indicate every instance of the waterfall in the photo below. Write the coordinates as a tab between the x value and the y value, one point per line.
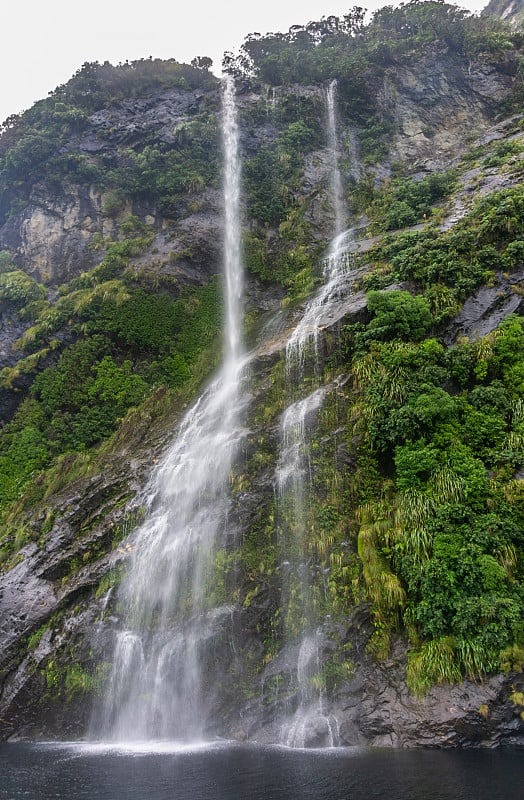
161	683
271	100
337	264
337	194
337	277
310	722
233	267
292	478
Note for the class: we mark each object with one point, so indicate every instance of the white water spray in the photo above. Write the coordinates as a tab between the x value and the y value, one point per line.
293	461
162	683
338	277
292	477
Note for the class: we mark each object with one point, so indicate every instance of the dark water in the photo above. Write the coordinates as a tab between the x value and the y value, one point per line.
248	772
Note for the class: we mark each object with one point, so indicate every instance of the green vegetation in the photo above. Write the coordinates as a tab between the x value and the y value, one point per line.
397	315
441	529
273	173
402	202
19	289
449	265
432	493
426	523
272	178
69	680
359	55
164	173
36	145
127	341
343	46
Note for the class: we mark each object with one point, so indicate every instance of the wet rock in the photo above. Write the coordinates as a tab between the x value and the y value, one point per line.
376	708
49	576
487	308
511	11
438	103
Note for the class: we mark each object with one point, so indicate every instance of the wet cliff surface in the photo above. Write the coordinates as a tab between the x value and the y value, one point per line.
66	533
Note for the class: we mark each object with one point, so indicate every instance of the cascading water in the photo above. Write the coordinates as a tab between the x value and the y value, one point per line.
337	194
337	265
292	477
160	686
310	722
272	100
337	276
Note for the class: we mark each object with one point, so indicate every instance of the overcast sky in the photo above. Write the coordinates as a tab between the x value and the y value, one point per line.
45	41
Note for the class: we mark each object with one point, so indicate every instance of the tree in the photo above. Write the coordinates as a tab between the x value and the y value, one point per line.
202	62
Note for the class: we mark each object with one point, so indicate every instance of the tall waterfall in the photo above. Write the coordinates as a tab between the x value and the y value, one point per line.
310	720
337	262
337	195
162	679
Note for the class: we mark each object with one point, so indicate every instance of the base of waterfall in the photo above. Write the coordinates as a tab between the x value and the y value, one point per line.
244	772
311	728
138	748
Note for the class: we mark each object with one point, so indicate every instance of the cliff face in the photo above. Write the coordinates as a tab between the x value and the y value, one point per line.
438	105
435	106
127	207
511	11
53	234
63	226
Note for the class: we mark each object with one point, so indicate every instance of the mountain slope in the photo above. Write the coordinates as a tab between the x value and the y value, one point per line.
111	218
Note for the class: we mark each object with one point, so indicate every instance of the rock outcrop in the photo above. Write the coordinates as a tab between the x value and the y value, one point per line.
511	11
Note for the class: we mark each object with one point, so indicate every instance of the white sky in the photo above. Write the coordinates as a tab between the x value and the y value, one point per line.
45	41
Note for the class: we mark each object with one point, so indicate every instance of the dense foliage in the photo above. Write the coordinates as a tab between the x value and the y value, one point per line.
126	340
344	46
36	144
446	519
415	496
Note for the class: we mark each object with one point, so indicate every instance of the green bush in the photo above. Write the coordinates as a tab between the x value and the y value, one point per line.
6	262
397	314
19	289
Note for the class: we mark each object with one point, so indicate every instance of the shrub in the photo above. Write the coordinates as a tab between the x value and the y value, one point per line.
397	314
19	289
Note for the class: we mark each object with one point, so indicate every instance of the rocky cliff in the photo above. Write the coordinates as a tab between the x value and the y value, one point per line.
512	11
111	225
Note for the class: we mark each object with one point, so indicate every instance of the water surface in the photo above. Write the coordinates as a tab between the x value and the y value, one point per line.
249	772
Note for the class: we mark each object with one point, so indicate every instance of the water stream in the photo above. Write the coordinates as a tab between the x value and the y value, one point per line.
293	474
161	685
337	264
310	724
163	677
337	280
337	193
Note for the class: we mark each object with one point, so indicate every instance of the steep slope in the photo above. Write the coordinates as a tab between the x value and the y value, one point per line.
511	11
117	219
